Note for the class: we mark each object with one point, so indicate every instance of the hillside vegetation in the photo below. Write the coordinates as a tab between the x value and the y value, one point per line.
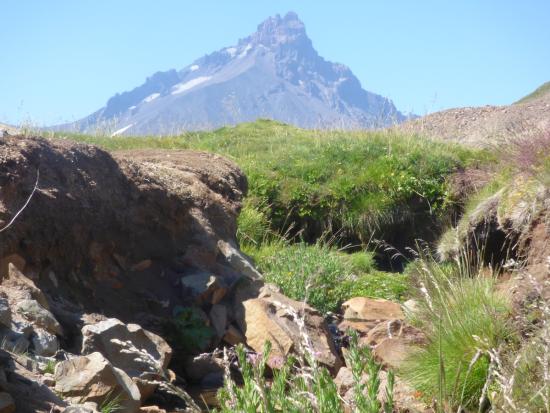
319	200
359	185
539	92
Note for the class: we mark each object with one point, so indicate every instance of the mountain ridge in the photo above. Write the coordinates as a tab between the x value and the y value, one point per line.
273	73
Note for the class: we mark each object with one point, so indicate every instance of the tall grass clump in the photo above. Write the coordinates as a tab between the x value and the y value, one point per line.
464	319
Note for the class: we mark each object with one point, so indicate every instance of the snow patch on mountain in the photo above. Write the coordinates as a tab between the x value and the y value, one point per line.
183	87
121	130
151	97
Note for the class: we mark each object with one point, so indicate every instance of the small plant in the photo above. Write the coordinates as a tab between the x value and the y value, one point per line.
299	386
361	362
50	366
188	330
111	404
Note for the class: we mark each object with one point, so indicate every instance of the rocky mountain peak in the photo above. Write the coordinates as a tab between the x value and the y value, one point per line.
273	73
277	30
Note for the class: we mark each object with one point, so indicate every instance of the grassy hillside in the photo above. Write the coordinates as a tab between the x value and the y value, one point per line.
539	92
359	185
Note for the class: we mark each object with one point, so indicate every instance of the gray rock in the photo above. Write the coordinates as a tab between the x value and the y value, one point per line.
5	312
44	343
136	351
204	287
33	312
92	378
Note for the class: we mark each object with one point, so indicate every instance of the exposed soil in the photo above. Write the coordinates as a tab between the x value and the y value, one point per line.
484	126
114	235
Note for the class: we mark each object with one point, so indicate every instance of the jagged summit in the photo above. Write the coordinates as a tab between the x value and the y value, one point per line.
273	73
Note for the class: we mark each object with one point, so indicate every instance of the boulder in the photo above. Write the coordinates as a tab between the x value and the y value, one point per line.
285	323
204	287
36	314
392	342
198	367
138	352
44	343
362	313
371	309
92	378
7	404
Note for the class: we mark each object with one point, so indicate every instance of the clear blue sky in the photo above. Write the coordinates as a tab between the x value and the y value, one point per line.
62	60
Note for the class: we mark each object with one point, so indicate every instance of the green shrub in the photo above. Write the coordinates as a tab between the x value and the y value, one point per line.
324	276
188	330
464	319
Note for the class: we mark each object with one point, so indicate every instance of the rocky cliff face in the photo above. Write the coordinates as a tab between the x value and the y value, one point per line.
273	73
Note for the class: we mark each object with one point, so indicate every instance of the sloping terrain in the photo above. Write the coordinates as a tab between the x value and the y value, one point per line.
274	73
487	125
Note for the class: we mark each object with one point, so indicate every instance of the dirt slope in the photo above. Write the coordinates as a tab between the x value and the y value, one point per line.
484	126
94	217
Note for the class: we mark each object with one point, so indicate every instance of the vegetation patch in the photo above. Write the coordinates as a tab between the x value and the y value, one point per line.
464	318
357	184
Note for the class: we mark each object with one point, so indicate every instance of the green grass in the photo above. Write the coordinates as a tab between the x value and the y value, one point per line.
542	90
324	276
463	317
354	183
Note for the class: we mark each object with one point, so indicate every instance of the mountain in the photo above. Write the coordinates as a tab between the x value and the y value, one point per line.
487	125
273	73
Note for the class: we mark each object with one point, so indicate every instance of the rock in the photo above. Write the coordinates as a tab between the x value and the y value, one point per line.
204	287
92	378
234	336
218	319
44	343
260	325
393	341
35	313
82	408
5	312
130	348
151	409
278	319
7	404
127	346
142	265
410	307
362	314
344	380
21	287
371	309
14	259
198	367
48	380
238	261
